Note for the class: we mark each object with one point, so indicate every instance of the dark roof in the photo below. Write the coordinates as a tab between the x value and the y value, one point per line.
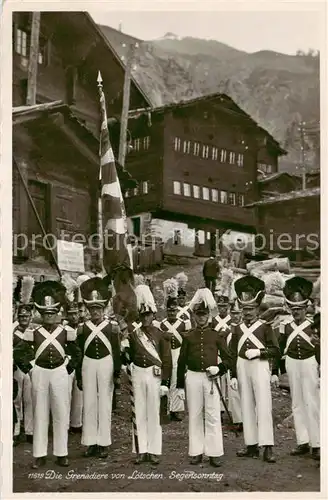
292	195
276	175
237	111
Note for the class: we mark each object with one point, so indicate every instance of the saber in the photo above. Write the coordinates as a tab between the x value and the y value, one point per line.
215	380
133	410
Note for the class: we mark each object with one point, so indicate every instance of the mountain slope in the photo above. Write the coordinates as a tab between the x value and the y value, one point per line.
277	90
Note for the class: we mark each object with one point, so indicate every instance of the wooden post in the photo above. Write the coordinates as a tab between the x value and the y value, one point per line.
126	105
33	60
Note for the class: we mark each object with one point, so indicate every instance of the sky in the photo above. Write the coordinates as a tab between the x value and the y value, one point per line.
280	31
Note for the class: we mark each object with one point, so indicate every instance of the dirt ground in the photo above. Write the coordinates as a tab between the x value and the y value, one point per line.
174	474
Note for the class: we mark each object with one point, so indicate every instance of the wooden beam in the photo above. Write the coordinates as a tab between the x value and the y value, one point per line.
59	121
33	60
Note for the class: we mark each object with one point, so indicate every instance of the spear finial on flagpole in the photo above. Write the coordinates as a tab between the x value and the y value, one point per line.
99	80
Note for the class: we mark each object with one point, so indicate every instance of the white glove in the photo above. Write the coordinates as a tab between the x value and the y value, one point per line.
125	344
252	353
181	394
234	384
213	370
275	381
164	391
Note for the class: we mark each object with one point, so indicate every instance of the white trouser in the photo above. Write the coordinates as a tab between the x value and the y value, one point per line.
18	402
254	381
98	388
176	403
76	405
305	393
146	390
234	405
50	393
204	438
27	405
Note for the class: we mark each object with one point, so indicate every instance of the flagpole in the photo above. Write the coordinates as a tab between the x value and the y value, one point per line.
100	216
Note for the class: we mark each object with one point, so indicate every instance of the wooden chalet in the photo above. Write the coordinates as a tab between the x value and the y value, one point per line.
197	162
278	183
55	141
290	223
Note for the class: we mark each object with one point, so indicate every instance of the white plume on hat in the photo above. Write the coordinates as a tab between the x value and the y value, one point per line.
71	286
14	282
25	295
145	298
204	295
182	279
170	287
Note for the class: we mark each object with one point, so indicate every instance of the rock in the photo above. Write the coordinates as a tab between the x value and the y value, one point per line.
299	476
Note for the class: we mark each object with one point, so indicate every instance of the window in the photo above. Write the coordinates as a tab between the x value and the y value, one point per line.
241	200
186	189
135	191
232	198
206	193
136	223
176	187
21	42
215	153
208	235
269	169
215	195
224	197
146	142
240	160
205	151
177	144
196	191
223	157
196	149
136	144
145	187
232	158
201	237
186	147
43	57
38	191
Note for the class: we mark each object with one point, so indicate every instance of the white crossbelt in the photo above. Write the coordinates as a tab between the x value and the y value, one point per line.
96	332
229	337
50	339
298	330
173	329
148	345
19	334
248	334
183	310
222	322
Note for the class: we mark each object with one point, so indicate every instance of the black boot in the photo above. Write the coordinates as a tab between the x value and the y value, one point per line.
268	455
39	462
75	430
195	460
316	454
175	416
62	461
29	438
215	461
302	449
154	459
92	451
103	451
251	451
142	457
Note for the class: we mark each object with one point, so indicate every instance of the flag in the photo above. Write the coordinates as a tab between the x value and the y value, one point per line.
114	224
117	260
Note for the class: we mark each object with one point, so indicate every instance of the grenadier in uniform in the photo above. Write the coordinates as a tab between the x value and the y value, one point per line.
52	345
302	368
221	323
197	365
99	372
253	345
23	401
71	324
176	328
148	351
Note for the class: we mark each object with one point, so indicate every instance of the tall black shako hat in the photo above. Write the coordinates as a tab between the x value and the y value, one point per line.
48	296
95	292
250	291
297	292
